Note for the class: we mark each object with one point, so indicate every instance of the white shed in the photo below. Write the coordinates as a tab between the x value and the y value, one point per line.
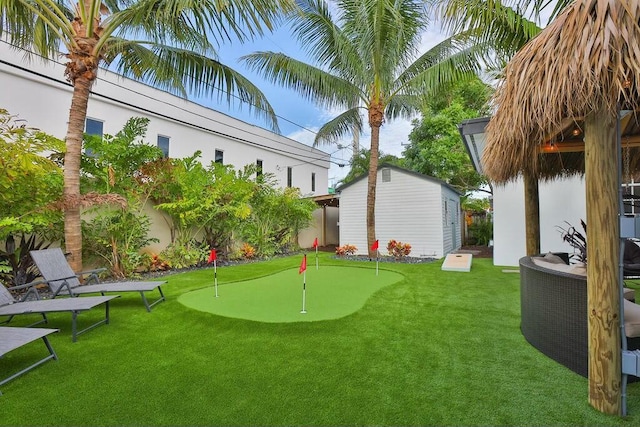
410	207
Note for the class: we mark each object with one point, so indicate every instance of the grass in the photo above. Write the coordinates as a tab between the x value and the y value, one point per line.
437	348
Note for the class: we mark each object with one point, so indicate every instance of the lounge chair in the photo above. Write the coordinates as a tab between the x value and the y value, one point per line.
11	307
57	272
13	338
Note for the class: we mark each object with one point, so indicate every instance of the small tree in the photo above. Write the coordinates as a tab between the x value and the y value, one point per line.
30	184
112	170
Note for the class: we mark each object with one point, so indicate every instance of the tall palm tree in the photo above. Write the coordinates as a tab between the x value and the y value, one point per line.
366	59
167	43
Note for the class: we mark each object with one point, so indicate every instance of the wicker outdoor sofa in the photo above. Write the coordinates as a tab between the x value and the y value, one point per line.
554	315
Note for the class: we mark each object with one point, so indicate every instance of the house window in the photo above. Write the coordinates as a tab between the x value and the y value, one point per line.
219	156
93	127
313	181
289	176
386	175
163	144
258	168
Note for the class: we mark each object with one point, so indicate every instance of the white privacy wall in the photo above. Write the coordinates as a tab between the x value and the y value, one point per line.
560	200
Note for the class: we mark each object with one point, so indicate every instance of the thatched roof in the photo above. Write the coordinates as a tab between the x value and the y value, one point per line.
587	60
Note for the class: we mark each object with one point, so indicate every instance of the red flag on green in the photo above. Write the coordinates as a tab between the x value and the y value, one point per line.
212	256
375	246
315	243
303	265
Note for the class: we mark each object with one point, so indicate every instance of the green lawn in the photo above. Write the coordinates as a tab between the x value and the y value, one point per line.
436	348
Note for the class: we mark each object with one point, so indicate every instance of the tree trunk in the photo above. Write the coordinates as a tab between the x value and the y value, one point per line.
603	257
532	213
75	131
375	121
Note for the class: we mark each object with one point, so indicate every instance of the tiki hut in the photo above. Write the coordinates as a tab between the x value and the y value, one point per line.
564	97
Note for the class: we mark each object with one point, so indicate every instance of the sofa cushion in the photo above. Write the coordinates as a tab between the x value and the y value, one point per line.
631	319
579	269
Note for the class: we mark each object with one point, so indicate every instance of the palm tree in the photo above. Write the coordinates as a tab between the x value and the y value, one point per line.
501	27
167	43
367	59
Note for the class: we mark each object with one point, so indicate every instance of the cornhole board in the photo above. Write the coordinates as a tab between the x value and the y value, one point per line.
457	262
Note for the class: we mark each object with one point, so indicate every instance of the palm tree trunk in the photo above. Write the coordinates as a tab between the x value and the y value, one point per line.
75	131
371	189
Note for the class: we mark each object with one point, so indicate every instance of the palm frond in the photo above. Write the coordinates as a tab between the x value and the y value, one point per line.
35	25
493	23
182	71
324	41
311	82
343	124
404	106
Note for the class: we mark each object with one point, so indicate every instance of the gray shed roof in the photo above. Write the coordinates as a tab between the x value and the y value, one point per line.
405	171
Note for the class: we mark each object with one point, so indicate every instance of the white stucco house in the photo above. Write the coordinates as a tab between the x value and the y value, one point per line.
561	201
37	92
410	207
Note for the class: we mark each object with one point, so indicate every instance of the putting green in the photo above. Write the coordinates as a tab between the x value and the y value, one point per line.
331	292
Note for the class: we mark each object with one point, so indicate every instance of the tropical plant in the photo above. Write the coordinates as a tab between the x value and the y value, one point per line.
346	249
366	59
117	236
164	43
185	254
276	215
20	268
576	239
481	231
397	249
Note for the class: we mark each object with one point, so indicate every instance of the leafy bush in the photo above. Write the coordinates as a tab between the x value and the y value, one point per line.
117	236
398	249
179	255
482	231
346	250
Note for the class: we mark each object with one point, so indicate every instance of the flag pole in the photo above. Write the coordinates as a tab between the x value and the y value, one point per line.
215	276
316	257
304	292
377	260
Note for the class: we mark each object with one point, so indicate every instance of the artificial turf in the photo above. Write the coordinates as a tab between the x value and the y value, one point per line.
330	292
436	348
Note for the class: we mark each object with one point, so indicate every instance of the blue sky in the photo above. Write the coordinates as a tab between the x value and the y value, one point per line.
299	118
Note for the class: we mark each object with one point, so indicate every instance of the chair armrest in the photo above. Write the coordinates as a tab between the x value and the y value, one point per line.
31	289
93	274
28	285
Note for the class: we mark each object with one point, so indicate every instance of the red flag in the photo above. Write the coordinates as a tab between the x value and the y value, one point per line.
303	266
315	243
212	256
375	246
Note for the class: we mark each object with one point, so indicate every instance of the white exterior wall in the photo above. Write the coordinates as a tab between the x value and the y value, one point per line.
44	100
560	200
307	236
408	209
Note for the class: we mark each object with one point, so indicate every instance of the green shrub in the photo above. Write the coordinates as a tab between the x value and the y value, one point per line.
481	231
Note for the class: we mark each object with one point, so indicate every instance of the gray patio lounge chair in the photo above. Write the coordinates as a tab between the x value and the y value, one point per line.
57	272
13	338
11	307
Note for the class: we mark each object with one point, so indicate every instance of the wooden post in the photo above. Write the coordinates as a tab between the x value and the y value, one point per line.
532	213
603	255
